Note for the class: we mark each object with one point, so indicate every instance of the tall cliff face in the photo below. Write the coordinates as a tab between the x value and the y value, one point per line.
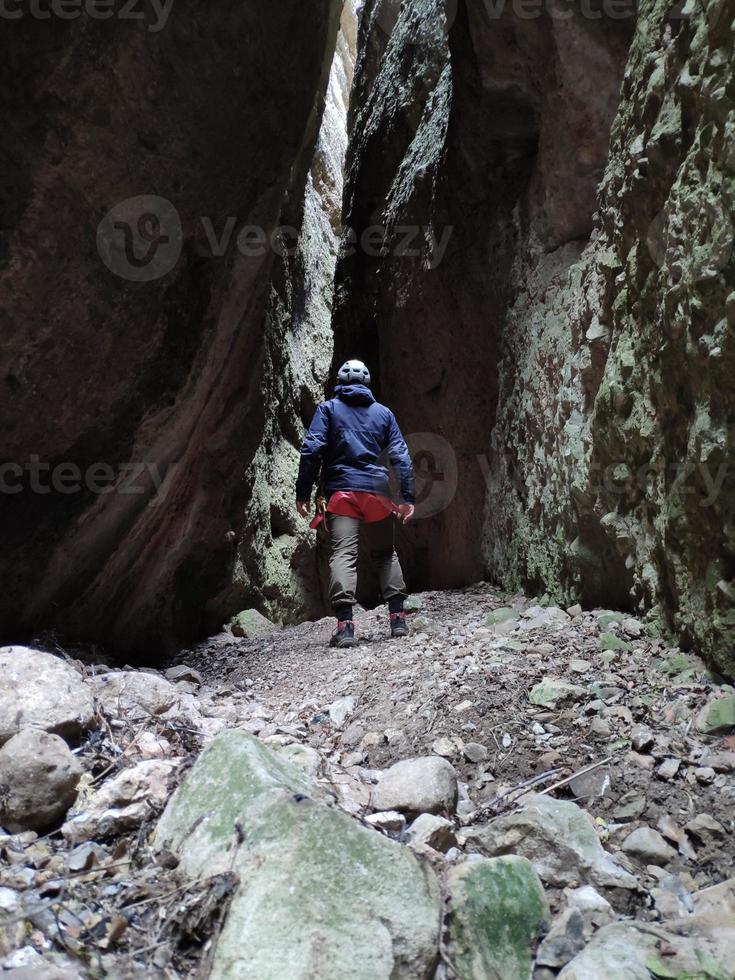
137	337
278	566
570	348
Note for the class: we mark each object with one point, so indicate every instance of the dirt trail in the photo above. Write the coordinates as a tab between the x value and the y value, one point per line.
462	677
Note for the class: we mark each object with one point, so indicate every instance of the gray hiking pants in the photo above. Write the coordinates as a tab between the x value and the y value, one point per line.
344	534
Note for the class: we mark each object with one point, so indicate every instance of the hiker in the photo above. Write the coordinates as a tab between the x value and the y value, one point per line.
348	436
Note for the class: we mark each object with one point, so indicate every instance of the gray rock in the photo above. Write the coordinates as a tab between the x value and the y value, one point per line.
641	738
320	894
38	690
626	950
668	769
717	716
565	939
250	624
474	752
133	692
390	822
551	693
183	673
341	709
648	846
38	781
496	910
432	831
422	785
558	839
122	803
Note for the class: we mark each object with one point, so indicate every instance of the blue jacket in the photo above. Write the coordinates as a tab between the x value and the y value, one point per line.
347	438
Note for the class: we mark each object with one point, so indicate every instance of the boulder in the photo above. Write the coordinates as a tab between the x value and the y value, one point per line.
558	839
424	785
250	624
38	781
38	690
631	951
133	692
496	910
320	894
122	803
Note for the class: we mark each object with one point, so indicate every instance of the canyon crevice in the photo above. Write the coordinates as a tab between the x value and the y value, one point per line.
533	249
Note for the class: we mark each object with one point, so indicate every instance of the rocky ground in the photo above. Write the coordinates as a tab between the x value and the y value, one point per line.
514	790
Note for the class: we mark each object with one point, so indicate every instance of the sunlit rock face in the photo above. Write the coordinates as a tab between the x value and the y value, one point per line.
134	346
569	349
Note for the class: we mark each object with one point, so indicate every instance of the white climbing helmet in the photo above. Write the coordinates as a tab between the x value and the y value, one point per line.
353	372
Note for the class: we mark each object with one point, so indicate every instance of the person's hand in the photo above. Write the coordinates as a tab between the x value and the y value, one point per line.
405	512
303	507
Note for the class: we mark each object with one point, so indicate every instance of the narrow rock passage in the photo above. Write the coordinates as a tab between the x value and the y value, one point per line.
509	762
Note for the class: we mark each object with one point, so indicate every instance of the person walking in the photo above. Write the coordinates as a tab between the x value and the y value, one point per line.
348	441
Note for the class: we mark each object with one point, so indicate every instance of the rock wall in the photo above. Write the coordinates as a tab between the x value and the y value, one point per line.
569	349
279	559
135	358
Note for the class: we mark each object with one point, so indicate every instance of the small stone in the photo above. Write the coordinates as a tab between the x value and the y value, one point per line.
390	822
422	785
591	785
668	769
580	666
463	706
574	611
703	825
587	899
474	752
38	781
444	747
648	846
183	673
550	693
432	831
122	803
341	709
632	628
646	762
564	940
704	775
641	738
600	727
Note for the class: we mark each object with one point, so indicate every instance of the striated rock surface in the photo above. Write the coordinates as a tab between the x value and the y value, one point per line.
136	342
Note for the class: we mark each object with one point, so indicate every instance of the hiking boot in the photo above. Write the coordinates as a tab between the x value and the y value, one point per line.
345	635
398	624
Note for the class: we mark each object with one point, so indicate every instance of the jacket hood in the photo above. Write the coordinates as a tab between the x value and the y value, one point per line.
355	394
